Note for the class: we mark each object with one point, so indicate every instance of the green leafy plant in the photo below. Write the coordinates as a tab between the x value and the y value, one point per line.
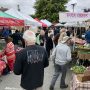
78	69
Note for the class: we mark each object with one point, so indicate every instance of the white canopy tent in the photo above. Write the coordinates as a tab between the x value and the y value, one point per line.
46	22
28	20
75	24
34	22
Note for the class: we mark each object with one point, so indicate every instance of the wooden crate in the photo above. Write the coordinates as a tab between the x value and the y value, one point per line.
81	56
87	56
83	78
84	56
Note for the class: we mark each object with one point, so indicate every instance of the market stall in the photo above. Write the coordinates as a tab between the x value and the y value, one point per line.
46	22
77	85
43	24
83	53
8	20
80	69
80	78
29	21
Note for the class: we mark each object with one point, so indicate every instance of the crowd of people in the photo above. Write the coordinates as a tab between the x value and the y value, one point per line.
30	61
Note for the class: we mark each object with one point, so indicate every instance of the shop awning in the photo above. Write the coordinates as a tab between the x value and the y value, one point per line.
29	21
43	24
46	22
8	20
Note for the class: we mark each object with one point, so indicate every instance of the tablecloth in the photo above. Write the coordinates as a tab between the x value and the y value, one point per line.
77	85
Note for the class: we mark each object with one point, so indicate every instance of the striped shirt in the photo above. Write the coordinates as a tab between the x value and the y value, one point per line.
10	51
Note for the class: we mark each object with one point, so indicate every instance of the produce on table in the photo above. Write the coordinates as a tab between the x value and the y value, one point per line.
1	47
78	69
84	46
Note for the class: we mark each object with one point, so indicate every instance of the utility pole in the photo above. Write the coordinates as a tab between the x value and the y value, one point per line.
73	6
75	31
18	7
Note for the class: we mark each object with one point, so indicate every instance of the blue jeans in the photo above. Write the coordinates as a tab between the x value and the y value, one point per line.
58	69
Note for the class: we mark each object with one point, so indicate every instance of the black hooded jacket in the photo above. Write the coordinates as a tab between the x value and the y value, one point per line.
30	63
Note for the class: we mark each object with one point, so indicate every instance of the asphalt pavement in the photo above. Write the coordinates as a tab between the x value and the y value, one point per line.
12	82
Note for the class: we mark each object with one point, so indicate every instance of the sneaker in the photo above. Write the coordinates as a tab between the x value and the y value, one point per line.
51	88
64	86
11	72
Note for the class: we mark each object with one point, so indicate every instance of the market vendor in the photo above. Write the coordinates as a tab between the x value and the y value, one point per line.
87	35
9	51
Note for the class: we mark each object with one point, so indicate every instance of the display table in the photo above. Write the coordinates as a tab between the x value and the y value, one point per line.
77	85
84	55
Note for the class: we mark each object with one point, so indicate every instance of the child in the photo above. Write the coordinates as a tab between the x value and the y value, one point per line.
9	51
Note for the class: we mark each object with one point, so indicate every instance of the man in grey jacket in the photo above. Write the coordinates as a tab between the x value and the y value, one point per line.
62	56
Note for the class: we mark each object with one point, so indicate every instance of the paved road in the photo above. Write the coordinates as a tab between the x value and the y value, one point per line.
12	82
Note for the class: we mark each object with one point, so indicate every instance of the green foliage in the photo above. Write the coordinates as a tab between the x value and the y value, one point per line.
33	16
1	47
49	9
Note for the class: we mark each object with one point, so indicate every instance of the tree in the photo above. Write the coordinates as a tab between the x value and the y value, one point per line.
49	9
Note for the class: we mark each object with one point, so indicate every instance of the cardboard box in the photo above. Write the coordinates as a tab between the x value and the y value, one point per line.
81	56
87	56
83	78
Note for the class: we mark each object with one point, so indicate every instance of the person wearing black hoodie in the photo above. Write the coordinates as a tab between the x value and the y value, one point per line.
49	43
30	63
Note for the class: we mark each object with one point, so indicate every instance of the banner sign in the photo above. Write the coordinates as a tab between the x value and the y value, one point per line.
73	17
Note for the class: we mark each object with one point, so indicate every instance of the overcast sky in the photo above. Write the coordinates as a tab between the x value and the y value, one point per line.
26	6
80	5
